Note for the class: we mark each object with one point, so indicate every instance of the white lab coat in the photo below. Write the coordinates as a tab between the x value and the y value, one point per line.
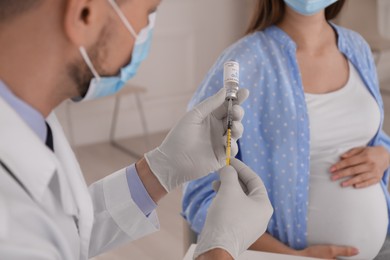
55	215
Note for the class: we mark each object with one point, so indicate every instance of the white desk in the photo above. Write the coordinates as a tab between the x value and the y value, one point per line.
254	255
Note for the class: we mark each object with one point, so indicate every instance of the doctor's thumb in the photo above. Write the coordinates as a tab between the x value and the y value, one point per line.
252	181
212	103
228	178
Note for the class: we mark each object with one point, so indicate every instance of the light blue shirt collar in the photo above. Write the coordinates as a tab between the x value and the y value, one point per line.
281	37
30	116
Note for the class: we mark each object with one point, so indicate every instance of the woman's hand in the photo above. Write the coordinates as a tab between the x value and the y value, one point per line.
364	166
328	251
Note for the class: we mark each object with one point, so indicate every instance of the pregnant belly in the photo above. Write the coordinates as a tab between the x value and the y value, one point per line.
345	216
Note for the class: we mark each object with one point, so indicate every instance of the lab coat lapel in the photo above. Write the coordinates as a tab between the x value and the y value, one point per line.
28	158
80	194
32	163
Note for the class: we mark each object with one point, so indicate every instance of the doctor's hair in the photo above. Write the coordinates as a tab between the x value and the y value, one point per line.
270	12
12	8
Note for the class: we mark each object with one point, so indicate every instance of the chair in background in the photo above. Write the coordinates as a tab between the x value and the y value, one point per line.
136	91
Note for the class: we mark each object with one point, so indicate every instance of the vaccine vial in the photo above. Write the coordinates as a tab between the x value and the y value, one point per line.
231	75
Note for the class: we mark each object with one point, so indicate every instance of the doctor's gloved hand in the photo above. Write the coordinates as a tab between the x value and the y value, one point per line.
196	145
239	213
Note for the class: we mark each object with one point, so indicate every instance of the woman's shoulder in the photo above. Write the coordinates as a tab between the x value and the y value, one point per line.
244	51
351	38
249	44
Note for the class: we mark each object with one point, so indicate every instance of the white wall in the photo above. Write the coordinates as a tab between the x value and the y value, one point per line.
188	38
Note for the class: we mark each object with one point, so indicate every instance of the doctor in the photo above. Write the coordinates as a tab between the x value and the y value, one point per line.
84	49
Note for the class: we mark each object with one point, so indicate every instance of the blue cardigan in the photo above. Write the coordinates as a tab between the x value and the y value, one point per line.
276	140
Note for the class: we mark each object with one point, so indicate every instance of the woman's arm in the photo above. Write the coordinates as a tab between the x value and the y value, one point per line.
268	243
215	254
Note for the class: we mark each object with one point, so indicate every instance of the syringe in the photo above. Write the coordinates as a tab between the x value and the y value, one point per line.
229	132
231	83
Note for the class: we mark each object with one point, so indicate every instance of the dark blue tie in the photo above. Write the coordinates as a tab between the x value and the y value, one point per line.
49	138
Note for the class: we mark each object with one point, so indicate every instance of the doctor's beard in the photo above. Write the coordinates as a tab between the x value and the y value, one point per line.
80	73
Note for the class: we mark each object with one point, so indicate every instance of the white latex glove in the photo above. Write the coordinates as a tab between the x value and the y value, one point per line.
195	147
235	219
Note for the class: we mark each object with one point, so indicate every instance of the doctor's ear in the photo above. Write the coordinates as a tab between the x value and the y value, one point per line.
84	21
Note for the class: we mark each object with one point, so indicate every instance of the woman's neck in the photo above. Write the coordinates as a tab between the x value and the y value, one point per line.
310	33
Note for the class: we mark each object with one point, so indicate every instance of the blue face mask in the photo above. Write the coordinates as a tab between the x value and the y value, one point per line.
309	7
105	86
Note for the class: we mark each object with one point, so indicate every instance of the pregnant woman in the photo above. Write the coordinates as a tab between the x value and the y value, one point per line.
313	132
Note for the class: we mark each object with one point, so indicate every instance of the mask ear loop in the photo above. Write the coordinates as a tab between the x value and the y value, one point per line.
89	62
123	18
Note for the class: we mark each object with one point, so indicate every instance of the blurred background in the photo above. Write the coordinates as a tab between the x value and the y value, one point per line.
113	132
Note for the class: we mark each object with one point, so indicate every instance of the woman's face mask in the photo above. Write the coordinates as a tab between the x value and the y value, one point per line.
309	7
105	86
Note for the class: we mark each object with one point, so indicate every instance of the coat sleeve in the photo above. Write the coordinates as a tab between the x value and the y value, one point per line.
117	219
383	139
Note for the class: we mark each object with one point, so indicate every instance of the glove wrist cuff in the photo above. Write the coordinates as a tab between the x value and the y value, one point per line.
159	165
205	244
